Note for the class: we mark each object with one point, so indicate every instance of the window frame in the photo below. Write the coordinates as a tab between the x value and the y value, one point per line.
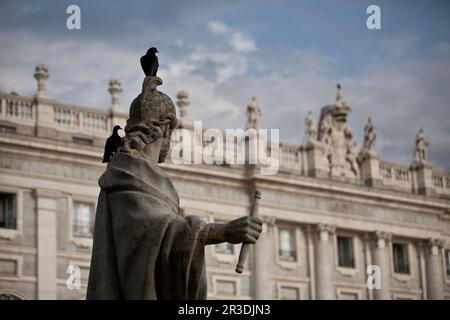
6	233
347	271
82	242
401	277
286	264
352	248
446	264
408	263
78	233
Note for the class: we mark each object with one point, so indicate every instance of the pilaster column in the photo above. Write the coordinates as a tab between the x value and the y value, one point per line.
46	225
434	272
311	263
368	259
381	259
324	272
263	255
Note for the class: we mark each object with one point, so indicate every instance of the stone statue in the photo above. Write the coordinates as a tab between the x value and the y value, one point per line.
253	114
336	136
370	136
421	151
351	155
326	128
311	128
144	246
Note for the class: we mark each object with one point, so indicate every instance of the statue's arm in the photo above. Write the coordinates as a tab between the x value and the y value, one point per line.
244	229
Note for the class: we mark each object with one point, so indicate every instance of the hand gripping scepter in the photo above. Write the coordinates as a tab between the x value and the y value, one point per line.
246	246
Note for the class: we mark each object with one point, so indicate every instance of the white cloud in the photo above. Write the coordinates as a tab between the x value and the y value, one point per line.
236	39
400	98
217	27
242	43
79	69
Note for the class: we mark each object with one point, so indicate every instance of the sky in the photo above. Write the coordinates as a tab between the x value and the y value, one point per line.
289	54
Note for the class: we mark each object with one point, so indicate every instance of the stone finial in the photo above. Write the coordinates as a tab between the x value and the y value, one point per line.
115	88
253	114
41	75
421	148
183	103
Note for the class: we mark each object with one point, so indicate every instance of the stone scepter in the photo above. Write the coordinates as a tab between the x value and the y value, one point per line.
246	246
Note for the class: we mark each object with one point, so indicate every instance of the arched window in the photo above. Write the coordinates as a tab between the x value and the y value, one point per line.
6	294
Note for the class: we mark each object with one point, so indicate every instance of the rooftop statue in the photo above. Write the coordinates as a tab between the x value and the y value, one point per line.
144	246
370	137
421	150
253	114
336	136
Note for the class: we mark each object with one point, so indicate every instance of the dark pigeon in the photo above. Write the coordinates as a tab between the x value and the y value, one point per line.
112	144
149	62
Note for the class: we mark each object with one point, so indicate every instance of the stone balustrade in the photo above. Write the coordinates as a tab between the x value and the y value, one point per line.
290	157
441	181
17	108
24	110
395	174
80	118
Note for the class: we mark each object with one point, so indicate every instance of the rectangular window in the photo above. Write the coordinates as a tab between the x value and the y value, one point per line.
8	210
287	248
225	248
447	262
83	219
401	260
346	257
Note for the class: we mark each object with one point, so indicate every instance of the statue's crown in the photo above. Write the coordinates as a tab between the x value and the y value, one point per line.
152	105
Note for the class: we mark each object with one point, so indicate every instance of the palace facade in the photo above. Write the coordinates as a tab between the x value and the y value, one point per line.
339	221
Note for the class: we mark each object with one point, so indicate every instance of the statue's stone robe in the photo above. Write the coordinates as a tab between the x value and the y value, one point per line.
143	247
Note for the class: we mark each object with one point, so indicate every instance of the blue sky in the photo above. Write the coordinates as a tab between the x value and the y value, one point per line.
289	54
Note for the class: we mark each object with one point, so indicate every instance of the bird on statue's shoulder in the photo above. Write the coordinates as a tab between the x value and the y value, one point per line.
112	144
